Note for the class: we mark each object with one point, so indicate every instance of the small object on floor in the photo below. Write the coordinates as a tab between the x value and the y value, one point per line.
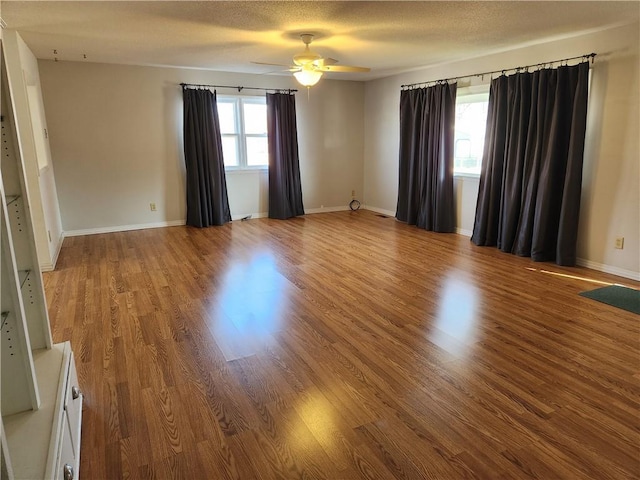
616	296
248	217
354	205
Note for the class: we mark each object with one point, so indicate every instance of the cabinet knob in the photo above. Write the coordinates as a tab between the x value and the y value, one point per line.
67	472
75	392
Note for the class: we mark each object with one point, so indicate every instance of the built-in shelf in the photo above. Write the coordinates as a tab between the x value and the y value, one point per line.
4	316
11	199
23	275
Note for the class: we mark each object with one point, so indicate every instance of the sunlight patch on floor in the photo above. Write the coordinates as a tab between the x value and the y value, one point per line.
455	328
574	277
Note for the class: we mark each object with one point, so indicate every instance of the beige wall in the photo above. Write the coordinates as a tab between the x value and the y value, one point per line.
611	199
116	143
610	206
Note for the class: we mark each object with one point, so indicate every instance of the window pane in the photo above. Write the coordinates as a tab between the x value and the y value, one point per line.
227	116
257	151
255	118
230	150
463	148
471	119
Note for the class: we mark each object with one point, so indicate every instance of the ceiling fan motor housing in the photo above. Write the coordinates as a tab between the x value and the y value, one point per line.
307	56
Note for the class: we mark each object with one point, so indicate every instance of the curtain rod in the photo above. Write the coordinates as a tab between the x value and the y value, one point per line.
239	87
516	69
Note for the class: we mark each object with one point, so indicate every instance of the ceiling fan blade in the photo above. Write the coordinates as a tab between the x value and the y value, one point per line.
343	68
321	62
271	64
279	71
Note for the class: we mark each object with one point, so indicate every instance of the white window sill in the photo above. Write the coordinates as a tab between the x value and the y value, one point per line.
241	171
474	176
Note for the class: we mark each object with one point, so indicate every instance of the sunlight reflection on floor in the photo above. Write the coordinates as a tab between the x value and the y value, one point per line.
249	306
455	328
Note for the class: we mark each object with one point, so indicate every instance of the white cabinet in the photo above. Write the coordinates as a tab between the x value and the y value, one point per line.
40	399
68	461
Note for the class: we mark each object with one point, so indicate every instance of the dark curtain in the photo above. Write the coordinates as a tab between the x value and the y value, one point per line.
531	178
285	189
207	201
425	188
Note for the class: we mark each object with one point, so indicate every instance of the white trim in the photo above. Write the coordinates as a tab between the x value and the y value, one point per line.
380	210
54	260
244	171
235	218
174	223
47	267
310	211
472	176
122	228
51	266
464	231
601	267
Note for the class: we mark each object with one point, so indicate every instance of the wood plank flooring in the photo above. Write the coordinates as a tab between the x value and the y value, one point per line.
342	346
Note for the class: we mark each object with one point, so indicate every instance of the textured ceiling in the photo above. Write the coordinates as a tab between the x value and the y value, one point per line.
389	37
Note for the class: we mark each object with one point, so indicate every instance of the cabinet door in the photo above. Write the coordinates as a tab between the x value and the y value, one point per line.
73	405
66	464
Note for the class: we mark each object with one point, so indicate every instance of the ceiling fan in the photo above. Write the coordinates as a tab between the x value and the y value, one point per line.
308	66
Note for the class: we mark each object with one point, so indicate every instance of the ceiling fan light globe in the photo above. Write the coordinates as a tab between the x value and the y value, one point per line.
308	78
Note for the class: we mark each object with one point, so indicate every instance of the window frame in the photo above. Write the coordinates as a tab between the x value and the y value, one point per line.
475	94
238	102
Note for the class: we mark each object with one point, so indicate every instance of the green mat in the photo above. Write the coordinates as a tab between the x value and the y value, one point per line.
621	297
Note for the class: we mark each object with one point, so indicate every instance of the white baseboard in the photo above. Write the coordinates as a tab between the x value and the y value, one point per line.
58	248
47	267
464	231
51	266
122	228
389	213
601	267
251	215
308	211
311	211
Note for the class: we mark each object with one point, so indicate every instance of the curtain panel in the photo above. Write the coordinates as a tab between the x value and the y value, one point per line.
531	177
425	186
285	188
207	200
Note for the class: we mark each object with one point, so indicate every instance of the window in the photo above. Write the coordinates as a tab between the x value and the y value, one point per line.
243	126
471	121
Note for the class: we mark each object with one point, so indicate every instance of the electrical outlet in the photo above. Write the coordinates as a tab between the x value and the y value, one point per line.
152	206
620	242
353	193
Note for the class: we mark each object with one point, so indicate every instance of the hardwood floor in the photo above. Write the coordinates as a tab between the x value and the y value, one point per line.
342	346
